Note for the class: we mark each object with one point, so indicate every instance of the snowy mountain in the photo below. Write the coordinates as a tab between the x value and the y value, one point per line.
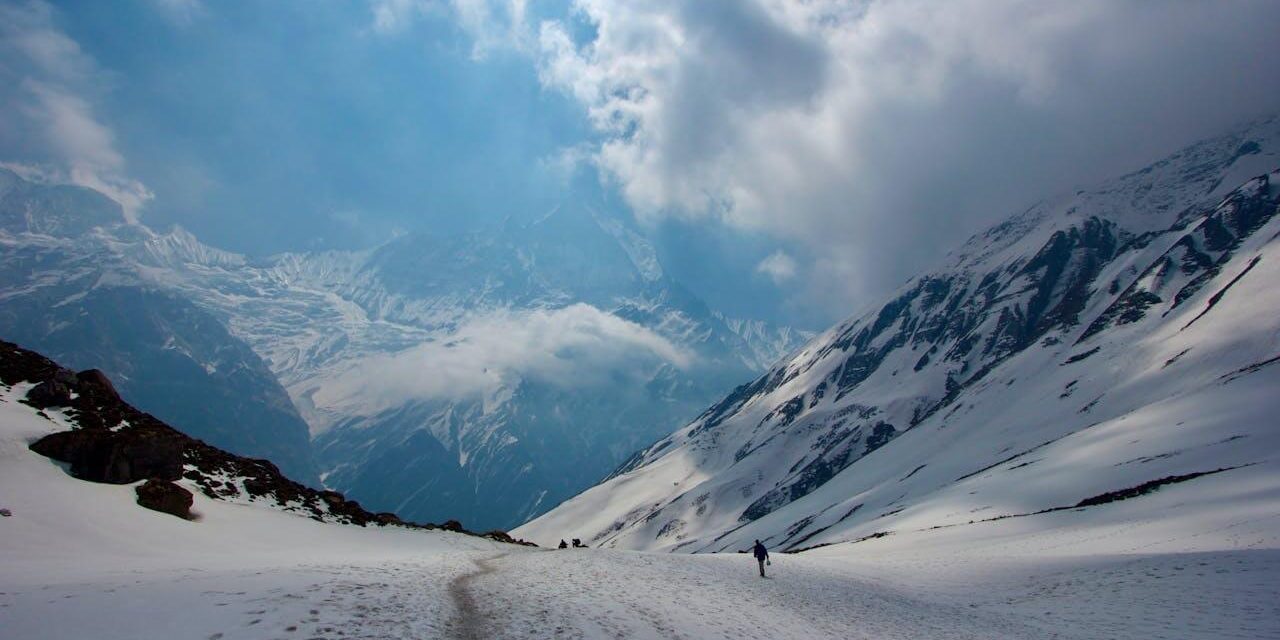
1091	350
489	376
264	557
80	421
440	377
66	290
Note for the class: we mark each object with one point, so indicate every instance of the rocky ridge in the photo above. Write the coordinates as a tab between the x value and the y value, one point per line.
112	442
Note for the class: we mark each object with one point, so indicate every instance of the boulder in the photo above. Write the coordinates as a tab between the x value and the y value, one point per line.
50	393
97	380
165	497
114	458
452	525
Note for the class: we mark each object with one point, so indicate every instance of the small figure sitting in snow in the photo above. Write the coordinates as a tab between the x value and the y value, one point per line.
563	544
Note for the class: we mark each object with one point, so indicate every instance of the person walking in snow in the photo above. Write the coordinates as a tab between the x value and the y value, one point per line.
762	556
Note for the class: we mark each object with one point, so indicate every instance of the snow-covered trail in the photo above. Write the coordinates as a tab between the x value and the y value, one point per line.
609	594
586	594
468	623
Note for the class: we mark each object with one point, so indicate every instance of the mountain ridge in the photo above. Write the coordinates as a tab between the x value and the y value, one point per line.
355	339
768	458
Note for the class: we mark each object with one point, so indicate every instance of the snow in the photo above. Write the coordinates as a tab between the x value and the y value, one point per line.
322	321
967	525
977	506
82	560
1155	390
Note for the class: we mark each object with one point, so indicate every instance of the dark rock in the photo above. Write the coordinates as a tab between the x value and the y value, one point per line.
257	487
881	434
50	393
387	518
165	497
500	536
116	458
112	442
95	379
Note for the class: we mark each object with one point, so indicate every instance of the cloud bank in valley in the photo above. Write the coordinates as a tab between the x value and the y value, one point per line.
572	347
880	134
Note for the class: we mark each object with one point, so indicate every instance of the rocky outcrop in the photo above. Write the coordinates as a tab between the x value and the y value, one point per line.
116	457
112	442
165	497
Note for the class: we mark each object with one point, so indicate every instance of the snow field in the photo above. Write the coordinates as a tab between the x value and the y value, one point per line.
615	594
83	560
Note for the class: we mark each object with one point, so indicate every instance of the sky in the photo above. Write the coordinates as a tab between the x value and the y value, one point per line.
793	160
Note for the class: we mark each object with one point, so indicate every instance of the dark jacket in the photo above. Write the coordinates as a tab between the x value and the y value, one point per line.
760	552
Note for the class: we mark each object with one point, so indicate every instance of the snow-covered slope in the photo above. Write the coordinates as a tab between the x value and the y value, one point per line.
441	377
238	571
69	292
1196	558
1088	351
97	437
82	560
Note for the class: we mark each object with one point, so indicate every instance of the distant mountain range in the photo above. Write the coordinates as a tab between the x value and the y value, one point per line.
484	376
1089	350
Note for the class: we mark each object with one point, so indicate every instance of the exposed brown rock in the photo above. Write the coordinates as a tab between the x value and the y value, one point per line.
99	381
115	443
50	393
166	497
116	457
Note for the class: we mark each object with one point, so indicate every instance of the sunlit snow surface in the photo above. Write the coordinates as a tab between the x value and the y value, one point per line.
983	432
82	560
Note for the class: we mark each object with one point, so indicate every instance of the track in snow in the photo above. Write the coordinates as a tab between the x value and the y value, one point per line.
468	624
589	594
580	594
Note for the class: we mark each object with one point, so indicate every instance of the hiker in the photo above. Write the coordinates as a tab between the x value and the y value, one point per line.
762	556
577	543
563	544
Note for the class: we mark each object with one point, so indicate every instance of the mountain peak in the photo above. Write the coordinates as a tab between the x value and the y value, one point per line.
53	209
1079	330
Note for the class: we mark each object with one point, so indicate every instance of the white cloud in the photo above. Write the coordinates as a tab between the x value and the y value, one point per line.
394	16
779	266
51	79
572	347
491	24
566	162
879	134
495	24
